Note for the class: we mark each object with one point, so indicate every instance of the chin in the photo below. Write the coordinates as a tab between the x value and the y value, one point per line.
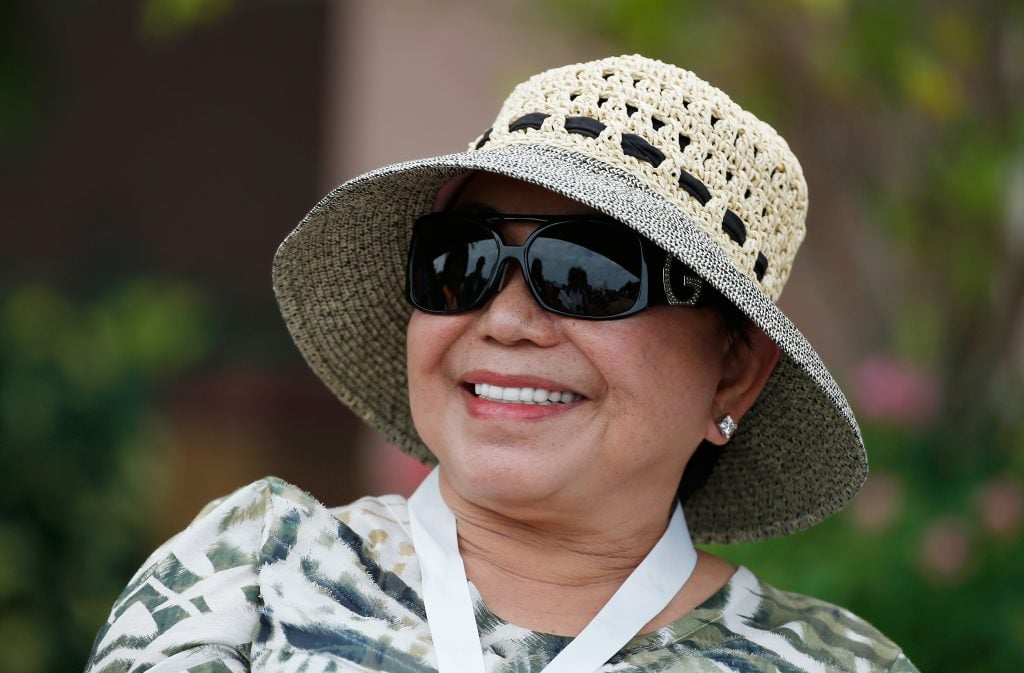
496	476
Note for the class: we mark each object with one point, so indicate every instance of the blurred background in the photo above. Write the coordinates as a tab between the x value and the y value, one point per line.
154	152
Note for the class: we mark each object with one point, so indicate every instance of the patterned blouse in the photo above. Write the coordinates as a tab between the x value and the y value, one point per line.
268	579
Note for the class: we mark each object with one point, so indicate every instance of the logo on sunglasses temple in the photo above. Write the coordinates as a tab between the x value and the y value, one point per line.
694	285
580	266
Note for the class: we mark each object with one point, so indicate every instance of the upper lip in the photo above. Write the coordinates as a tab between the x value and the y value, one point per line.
516	381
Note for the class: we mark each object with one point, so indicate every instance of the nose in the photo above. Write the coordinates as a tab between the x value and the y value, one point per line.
513	316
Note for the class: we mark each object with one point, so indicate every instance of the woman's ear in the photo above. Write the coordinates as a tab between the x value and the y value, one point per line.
745	369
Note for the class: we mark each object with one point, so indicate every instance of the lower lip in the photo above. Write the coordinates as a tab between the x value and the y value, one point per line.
480	407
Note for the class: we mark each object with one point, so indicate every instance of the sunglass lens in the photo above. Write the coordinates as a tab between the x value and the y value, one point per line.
450	264
587	268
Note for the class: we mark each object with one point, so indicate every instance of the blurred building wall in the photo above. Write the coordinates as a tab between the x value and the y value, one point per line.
412	79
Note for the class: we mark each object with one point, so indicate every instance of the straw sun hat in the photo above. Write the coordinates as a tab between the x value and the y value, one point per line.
669	155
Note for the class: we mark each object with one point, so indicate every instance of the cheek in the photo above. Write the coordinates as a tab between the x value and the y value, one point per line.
423	356
665	371
690	380
429	339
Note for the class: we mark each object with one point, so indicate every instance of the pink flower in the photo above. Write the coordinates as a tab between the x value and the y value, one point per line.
879	502
945	550
1001	504
889	390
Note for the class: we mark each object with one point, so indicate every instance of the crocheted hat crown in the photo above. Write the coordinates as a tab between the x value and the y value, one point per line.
729	172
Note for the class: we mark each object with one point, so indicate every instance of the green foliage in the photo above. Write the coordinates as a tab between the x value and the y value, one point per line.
928	562
20	103
81	451
161	20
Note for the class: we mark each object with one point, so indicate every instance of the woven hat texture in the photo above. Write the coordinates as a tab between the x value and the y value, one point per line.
662	151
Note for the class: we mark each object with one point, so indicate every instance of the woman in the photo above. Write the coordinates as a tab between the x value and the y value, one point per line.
593	340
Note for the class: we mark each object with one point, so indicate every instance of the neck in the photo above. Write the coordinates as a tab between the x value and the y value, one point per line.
551	575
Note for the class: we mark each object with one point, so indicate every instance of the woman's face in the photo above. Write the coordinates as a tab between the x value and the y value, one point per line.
646	386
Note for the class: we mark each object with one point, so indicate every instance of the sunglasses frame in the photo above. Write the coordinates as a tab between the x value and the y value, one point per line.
519	253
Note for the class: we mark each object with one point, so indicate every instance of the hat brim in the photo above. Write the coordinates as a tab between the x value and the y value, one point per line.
798	456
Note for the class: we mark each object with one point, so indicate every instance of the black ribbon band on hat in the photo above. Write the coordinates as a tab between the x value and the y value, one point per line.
484	139
635	146
584	126
530	121
760	266
696	188
733	225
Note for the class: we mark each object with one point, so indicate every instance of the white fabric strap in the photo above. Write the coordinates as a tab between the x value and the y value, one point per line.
446	598
449	607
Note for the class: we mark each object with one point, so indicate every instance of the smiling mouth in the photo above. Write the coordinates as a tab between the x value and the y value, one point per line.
534	396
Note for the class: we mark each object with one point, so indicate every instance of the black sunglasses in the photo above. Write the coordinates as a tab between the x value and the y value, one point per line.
580	266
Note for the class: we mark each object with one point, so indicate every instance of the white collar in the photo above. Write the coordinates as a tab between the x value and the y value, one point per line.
450	617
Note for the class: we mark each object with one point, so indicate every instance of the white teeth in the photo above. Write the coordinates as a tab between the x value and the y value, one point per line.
525	395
